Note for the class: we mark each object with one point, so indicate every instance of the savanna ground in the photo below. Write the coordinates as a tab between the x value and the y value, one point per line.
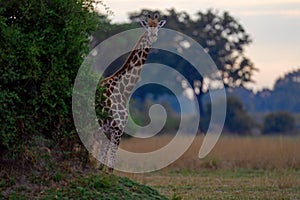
237	168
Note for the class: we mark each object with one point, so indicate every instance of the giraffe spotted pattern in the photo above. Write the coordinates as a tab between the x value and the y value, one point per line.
118	89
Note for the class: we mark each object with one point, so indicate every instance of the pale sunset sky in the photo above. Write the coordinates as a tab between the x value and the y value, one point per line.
273	25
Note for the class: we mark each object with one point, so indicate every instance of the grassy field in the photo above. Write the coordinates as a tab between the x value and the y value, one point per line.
225	184
230	152
69	180
237	168
87	186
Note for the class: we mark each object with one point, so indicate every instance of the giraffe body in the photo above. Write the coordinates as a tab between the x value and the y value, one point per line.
119	87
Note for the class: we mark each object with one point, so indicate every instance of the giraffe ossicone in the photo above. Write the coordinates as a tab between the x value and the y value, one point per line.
118	88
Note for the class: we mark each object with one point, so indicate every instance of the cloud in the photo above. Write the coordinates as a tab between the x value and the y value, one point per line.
286	13
286	9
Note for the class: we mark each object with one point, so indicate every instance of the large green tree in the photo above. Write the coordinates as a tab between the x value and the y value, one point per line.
220	34
42	47
222	37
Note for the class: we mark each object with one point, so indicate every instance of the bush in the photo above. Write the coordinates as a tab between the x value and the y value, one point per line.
42	46
279	122
237	119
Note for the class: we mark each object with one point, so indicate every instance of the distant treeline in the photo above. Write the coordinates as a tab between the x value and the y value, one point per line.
265	112
285	96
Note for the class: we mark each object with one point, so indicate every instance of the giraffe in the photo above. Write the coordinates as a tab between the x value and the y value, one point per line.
118	90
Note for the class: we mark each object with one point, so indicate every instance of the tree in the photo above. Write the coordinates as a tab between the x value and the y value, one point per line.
279	122
221	36
42	47
109	30
237	120
285	95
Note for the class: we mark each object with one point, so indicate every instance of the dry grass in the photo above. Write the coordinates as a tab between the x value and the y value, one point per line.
237	168
225	184
229	152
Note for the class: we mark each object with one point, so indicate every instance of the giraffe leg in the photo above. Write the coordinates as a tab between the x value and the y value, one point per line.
112	156
99	150
112	153
110	170
103	154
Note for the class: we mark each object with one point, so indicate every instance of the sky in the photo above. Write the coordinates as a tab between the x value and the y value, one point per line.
274	26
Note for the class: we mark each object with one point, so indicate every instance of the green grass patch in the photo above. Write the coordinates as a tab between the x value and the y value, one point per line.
102	187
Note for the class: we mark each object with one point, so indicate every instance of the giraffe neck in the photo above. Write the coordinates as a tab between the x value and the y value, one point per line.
125	79
136	58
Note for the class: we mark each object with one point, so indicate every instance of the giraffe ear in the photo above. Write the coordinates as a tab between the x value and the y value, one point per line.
161	23
144	24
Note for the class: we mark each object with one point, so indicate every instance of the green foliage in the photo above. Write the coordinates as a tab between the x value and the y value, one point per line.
102	187
85	184
140	115
279	122
58	176
42	46
176	197
99	100
212	163
110	30
237	120
285	95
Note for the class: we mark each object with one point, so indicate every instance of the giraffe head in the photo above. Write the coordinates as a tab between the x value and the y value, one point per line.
152	26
